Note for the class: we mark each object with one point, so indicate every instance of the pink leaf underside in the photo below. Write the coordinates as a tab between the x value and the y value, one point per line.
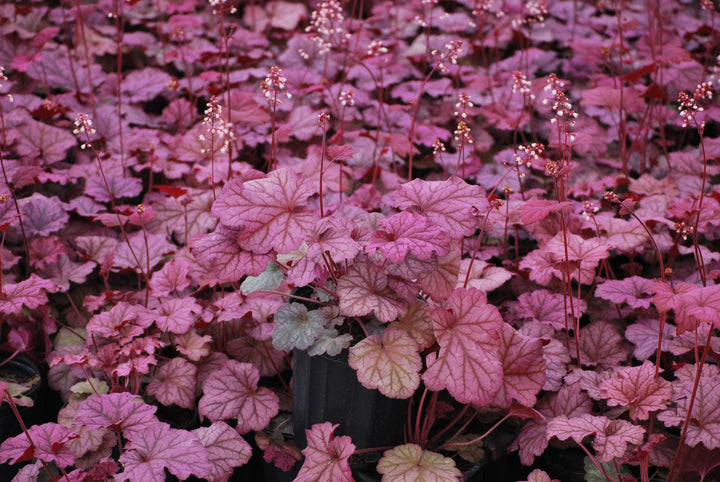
704	426
611	436
232	393
175	383
226	449
224	257
546	307
638	389
635	291
49	445
31	293
406	232
523	368
535	210
122	411
389	362
409	463
326	456
272	211
600	345
448	204
42	215
159	447
136	258
176	315
364	289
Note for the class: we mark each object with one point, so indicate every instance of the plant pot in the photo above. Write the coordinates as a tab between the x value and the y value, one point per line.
326	389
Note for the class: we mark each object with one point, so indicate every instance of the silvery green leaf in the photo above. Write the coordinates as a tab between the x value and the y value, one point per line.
269	279
296	327
331	343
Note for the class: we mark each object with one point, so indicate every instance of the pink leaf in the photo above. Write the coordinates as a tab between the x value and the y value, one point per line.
335	236
192	345
66	271
534	210
119	411
147	251
523	368
117	322
364	289
417	323
259	353
43	215
470	376
326	457
635	291
440	282
185	217
232	393
483	276
120	187
141	85
49	441
222	254
467	321
611	436
467	330
405	232
638	389
601	345
272	212
389	362
226	449
704	426
449	204
159	447
644	335
409	462
546	307
37	139
700	305
176	315
30	293
172	277
175	383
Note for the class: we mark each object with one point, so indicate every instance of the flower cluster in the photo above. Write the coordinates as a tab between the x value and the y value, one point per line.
690	106
273	85
327	25
217	127
452	50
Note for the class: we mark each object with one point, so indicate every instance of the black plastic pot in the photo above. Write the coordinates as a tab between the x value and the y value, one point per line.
326	389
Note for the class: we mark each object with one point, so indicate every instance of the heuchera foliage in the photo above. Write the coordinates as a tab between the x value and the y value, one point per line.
503	212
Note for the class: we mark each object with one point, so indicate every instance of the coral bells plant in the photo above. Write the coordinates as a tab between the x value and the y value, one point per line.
503	215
